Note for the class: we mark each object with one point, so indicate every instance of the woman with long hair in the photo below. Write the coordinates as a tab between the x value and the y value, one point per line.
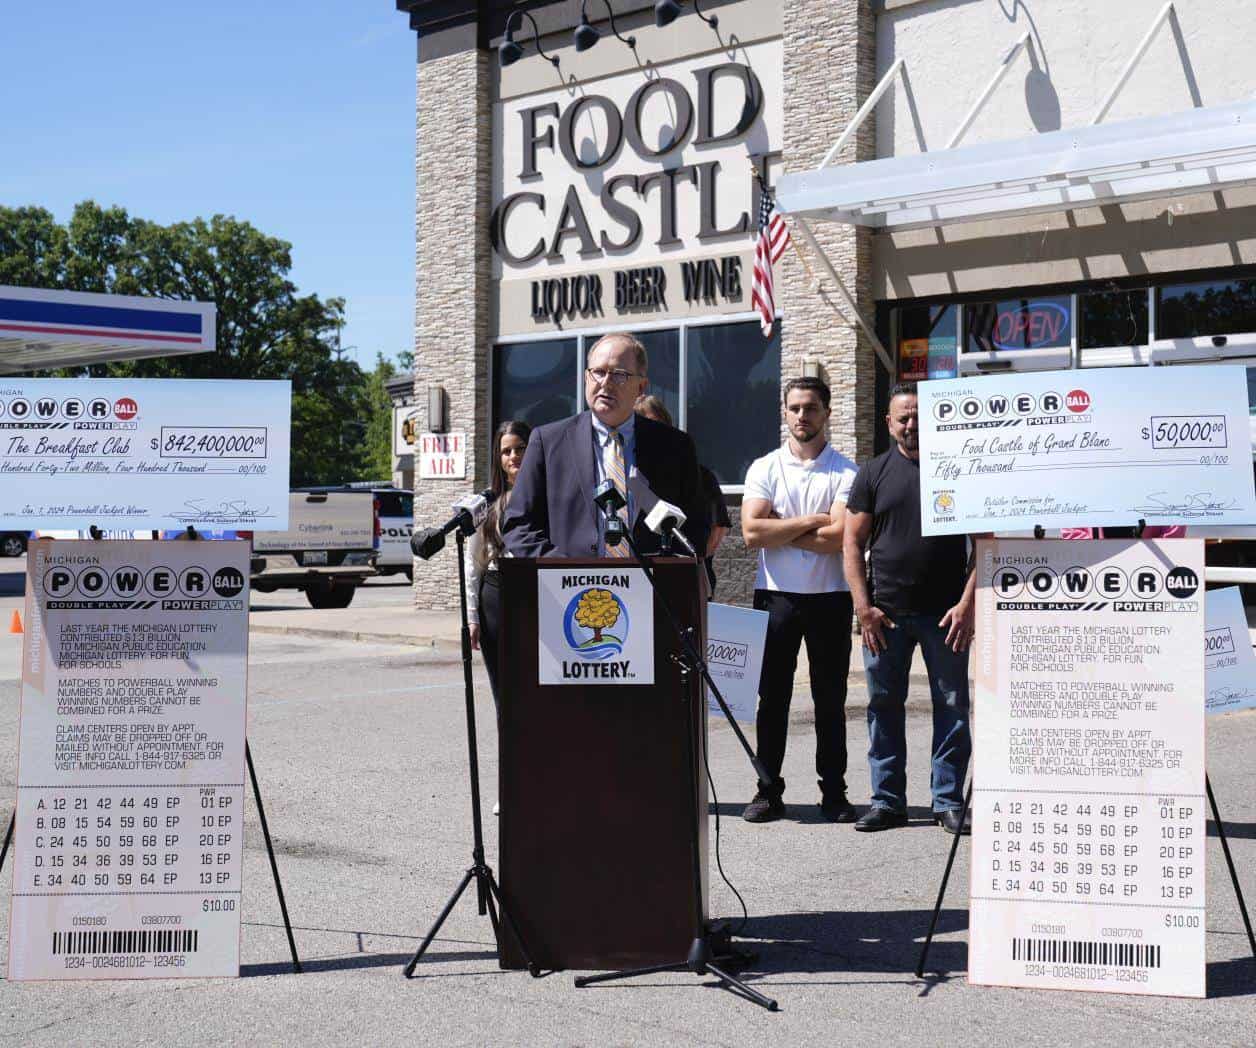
485	549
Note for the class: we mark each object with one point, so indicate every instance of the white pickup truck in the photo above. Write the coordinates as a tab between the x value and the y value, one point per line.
329	549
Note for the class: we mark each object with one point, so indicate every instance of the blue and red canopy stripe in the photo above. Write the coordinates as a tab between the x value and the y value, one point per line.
64	318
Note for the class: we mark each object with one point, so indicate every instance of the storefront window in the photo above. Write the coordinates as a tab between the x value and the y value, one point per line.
535	381
1112	318
733	395
1224	307
1020	323
663	349
927	338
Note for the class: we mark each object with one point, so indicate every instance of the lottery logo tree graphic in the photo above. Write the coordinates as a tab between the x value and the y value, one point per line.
597	610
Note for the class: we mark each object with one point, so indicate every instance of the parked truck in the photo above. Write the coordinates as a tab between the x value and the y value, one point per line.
329	549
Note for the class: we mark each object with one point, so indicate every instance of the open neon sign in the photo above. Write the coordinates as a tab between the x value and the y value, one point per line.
1031	325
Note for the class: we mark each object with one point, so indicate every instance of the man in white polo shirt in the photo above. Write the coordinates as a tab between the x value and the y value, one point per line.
792	512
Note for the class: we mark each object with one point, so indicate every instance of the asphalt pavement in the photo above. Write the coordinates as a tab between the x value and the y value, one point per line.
360	746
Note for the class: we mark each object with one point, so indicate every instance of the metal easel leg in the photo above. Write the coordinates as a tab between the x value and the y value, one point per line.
946	876
270	851
1234	877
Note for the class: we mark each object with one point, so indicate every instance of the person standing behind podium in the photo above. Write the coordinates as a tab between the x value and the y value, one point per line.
918	591
485	548
792	512
552	512
653	407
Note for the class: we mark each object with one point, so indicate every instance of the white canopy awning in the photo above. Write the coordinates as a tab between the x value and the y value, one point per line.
53	329
1164	156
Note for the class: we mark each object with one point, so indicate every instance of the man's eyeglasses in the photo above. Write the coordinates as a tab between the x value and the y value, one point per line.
616	376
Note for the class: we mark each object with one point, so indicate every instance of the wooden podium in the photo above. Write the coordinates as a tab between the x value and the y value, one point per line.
596	853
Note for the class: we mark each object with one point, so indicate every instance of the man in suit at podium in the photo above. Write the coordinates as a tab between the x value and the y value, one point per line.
552	513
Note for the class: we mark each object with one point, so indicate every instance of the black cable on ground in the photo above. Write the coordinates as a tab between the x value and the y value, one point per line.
745	914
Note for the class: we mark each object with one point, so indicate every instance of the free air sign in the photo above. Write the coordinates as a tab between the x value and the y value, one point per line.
442	456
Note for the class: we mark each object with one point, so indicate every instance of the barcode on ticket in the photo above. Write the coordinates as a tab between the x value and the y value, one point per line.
147	940
1069	951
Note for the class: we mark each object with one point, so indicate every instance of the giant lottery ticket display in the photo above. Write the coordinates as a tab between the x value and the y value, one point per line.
131	762
1088	775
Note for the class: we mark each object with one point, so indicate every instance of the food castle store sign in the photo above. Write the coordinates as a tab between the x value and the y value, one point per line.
633	197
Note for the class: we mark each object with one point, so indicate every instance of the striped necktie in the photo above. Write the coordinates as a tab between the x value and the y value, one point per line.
613	459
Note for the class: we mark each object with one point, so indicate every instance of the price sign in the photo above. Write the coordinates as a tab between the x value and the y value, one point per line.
129	824
1088	786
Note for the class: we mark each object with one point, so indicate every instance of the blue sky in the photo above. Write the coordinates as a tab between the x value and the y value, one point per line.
295	115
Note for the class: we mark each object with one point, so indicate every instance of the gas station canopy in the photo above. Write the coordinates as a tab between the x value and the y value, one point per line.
53	329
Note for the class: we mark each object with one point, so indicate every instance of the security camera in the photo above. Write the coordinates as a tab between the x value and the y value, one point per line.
1218	340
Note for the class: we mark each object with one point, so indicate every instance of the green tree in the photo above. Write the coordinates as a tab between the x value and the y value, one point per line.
378	435
266	329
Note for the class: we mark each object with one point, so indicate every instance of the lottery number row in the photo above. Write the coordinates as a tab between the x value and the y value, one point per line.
108	839
1082	847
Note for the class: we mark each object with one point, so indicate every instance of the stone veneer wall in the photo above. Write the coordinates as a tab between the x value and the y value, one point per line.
830	67
453	274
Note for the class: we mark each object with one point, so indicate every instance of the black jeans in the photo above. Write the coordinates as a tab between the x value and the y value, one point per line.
490	623
823	620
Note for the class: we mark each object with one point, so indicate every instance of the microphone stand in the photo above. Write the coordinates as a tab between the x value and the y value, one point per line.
708	947
487	890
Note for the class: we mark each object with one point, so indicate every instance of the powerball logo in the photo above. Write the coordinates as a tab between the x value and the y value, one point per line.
66	412
968	411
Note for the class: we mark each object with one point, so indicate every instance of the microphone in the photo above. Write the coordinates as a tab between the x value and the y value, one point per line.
470	512
665	521
613	534
608	499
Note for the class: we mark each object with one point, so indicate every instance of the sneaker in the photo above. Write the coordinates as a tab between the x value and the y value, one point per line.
881	819
763	809
838	809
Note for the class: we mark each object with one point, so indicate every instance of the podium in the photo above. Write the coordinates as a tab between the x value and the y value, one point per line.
597	863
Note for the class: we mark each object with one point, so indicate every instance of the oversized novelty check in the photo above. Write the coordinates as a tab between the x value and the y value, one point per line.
143	454
129	827
1096	448
1229	662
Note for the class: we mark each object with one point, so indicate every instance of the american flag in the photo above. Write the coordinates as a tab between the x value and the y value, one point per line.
771	240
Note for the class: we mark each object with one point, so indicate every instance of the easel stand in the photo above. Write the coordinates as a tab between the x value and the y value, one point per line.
488	894
706	949
270	851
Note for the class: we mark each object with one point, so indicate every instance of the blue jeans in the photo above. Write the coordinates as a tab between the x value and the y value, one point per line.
887	675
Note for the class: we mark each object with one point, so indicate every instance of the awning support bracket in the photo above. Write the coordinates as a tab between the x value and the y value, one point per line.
844	292
1166	12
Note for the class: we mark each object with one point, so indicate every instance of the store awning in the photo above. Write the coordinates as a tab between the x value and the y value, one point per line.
53	329
1196	151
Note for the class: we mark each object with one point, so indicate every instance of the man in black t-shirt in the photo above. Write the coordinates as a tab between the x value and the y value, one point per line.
918	591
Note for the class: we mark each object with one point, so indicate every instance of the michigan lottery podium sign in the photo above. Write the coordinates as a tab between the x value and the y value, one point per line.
596	626
129	825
